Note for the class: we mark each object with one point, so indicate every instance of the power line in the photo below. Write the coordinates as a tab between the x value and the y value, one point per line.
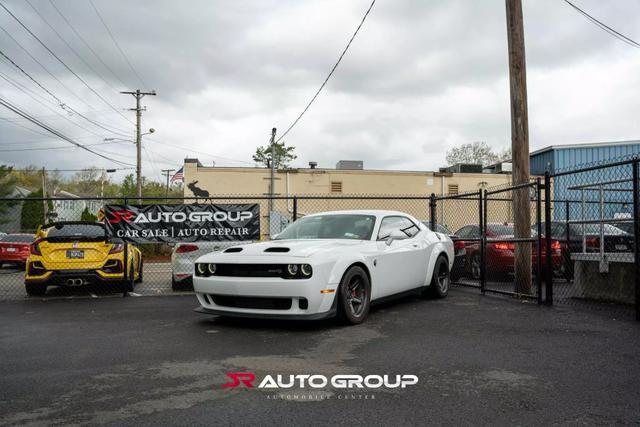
39	170
63	63
23	126
61	104
191	150
43	67
330	74
22	89
604	26
88	46
44	19
49	129
117	44
11	150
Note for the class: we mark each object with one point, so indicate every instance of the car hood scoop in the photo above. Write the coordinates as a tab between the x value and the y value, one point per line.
295	248
278	249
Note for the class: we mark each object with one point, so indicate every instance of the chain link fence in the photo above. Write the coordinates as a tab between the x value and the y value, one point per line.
579	247
583	224
593	220
91	261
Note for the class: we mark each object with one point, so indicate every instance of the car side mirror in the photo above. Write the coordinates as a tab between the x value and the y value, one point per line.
395	235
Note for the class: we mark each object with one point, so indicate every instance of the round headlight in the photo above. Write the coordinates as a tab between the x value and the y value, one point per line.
306	270
211	268
201	269
292	269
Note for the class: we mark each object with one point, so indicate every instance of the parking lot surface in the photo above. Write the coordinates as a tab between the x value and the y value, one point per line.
153	361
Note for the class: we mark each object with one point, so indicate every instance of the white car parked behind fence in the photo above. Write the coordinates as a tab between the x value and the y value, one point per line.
184	256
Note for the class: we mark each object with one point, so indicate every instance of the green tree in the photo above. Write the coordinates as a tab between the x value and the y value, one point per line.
32	214
150	188
87	216
284	155
478	152
7	186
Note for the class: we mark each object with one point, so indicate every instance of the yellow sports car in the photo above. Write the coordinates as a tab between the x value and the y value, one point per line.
79	253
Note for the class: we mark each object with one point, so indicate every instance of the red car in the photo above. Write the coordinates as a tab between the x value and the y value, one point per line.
14	249
499	256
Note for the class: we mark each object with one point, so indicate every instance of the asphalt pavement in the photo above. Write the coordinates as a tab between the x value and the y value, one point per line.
157	280
153	361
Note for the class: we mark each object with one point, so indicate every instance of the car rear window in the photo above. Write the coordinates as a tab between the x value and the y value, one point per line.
500	229
18	238
74	231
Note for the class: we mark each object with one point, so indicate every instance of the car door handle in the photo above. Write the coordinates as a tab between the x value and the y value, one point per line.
415	245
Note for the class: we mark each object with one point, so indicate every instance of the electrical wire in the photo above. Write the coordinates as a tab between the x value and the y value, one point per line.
604	26
295	122
51	130
87	45
12	150
23	126
63	63
18	86
33	58
117	44
61	103
191	150
39	170
44	19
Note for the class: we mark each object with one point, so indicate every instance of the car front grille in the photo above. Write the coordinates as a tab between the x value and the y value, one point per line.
262	303
250	270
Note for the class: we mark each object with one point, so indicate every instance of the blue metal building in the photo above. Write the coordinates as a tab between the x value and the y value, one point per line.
607	187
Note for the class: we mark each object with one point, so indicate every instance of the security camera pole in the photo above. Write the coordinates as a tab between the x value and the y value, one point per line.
139	95
519	145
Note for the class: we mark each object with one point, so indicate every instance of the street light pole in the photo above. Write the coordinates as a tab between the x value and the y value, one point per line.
138	95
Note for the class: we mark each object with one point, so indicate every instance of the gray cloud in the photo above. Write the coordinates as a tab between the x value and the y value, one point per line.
420	78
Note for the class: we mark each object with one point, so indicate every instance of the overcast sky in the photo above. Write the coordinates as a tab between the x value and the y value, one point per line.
421	77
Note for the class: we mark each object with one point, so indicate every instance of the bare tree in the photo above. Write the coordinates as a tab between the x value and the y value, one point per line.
478	152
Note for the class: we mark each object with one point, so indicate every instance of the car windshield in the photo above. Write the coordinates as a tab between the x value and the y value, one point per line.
76	231
17	238
339	226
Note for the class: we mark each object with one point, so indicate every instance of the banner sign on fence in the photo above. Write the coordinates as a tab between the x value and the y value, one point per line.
183	223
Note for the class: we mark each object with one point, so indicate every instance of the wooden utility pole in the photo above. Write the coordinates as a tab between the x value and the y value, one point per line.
138	95
167	173
519	144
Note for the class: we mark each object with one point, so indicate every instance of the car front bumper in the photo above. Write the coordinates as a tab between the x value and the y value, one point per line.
266	297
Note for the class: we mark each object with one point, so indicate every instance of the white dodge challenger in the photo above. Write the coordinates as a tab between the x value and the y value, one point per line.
326	264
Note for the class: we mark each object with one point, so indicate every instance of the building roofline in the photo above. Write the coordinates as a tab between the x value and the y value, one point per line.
585	145
332	170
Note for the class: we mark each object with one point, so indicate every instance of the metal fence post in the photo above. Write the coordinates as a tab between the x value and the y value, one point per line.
125	262
483	240
539	240
295	208
547	234
636	232
432	209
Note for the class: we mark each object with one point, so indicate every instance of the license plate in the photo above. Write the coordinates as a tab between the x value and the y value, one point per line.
75	254
12	250
621	247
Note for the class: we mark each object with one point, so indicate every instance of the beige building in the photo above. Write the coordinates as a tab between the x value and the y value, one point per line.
342	185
